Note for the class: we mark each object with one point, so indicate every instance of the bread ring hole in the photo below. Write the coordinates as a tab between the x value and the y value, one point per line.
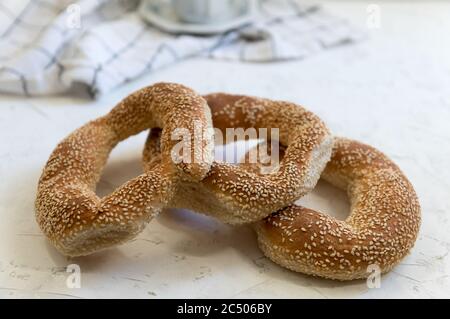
124	163
233	152
327	199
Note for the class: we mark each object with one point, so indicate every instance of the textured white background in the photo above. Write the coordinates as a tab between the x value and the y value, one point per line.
392	91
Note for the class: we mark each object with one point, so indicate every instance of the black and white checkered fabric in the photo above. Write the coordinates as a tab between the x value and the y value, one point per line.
43	51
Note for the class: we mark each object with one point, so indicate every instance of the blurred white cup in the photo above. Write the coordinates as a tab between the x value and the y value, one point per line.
210	11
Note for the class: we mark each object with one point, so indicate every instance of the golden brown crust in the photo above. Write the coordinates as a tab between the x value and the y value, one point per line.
69	212
381	229
237	195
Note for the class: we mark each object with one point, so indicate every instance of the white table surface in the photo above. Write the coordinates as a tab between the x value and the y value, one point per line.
392	91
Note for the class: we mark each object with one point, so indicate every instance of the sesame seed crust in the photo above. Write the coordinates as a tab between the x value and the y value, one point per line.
381	229
237	195
69	212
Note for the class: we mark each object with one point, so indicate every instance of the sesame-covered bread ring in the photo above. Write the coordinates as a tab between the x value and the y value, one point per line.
382	226
68	210
236	195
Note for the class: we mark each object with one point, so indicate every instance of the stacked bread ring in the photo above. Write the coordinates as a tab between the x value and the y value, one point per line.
236	194
381	229
69	212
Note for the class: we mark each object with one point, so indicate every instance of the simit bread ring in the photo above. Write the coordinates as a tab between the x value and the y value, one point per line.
69	212
380	230
382	226
236	195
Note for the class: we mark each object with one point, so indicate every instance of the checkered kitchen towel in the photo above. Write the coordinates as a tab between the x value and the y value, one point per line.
43	50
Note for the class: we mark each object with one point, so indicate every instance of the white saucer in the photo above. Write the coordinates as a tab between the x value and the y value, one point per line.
163	16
